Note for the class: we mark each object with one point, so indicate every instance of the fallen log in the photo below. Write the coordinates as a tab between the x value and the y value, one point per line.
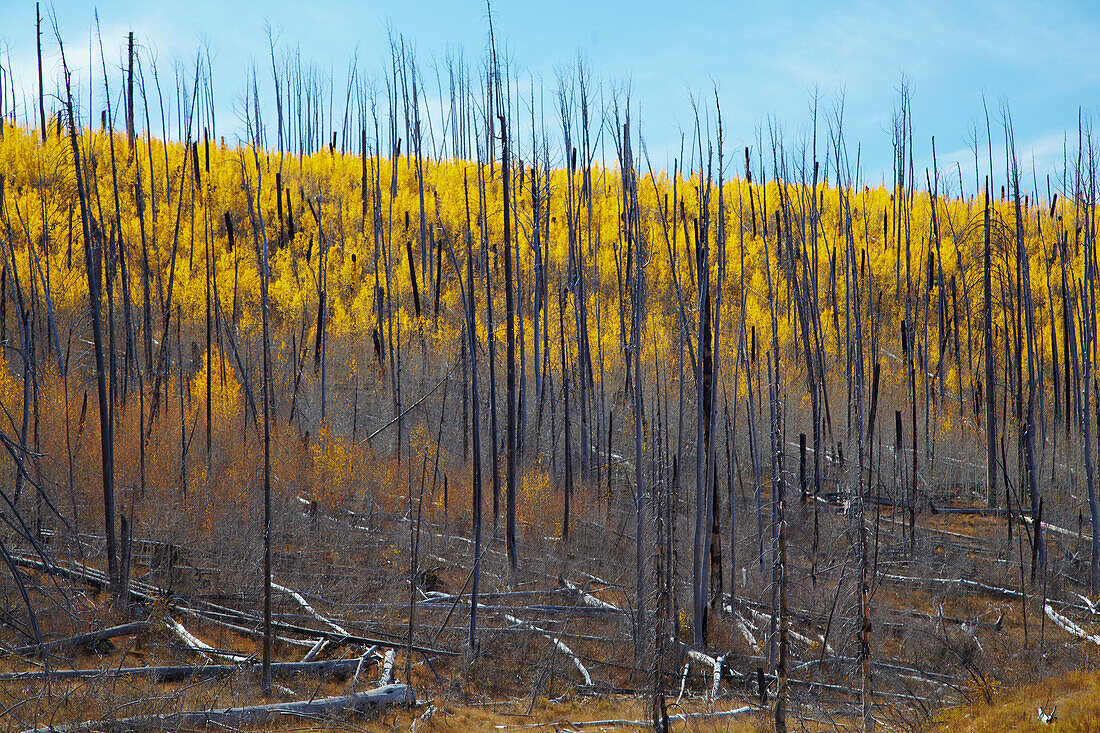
309	609
680	718
425	718
591	600
252	714
363	641
1055	528
974	511
315	649
368	654
911	672
1069	626
994	626
555	641
336	668
965	583
794	634
243	630
96	579
385	674
537	608
93	637
195	644
322	641
715	665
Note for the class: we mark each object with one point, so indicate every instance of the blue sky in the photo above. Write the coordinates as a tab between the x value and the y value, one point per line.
766	59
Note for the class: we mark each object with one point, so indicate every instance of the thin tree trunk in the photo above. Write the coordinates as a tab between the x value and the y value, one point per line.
987	335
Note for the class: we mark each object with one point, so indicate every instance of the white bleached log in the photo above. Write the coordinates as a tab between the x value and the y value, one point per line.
1069	626
196	644
386	674
248	715
311	610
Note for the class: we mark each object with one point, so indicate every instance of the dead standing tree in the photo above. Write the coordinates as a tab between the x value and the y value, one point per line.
259	231
92	274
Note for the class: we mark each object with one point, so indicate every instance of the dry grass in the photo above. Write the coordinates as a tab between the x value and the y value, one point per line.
1075	695
546	715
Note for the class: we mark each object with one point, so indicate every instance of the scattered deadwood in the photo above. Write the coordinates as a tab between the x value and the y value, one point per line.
713	665
332	667
913	673
941	619
554	640
363	641
315	649
1048	527
680	718
94	637
963	582
148	593
592	601
967	511
250	715
195	644
310	610
368	654
767	618
425	718
321	642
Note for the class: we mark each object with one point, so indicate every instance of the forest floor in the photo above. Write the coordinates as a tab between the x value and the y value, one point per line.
990	667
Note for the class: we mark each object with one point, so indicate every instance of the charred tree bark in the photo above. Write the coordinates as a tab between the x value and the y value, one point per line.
92	273
987	335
